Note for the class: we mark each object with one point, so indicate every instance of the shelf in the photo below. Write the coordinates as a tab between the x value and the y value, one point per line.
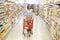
5	22
56	20
4	33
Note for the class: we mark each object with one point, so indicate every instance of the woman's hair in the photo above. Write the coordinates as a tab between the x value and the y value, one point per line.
28	6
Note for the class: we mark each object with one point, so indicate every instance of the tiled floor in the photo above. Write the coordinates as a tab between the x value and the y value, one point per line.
40	31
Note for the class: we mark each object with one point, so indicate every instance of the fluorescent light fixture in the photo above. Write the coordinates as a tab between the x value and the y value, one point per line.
27	1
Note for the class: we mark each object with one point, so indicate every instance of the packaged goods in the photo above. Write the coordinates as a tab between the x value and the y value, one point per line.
0	27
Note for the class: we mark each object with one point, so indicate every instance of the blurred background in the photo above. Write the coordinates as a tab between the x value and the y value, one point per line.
29	19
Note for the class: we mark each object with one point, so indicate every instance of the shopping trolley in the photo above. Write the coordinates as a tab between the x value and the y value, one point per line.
27	26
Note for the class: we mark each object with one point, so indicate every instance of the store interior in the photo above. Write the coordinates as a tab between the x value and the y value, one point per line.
29	19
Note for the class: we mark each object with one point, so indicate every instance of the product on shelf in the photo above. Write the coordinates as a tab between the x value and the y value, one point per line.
36	9
6	13
45	11
0	36
58	14
0	28
52	17
1	14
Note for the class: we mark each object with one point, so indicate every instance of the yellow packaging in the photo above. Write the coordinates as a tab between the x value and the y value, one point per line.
13	14
54	11
6	9
4	26
52	22
0	36
46	12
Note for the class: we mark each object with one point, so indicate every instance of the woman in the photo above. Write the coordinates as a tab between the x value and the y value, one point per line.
28	20
29	11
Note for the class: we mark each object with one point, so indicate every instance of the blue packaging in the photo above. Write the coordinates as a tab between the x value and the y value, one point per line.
0	27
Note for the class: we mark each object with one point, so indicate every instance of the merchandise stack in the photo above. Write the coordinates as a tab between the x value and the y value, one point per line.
7	17
1	17
12	11
55	28
47	14
52	20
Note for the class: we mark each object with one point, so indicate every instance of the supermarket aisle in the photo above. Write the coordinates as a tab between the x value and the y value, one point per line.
40	31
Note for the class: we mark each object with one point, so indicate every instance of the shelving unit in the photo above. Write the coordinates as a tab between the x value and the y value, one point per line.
52	21
7	14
